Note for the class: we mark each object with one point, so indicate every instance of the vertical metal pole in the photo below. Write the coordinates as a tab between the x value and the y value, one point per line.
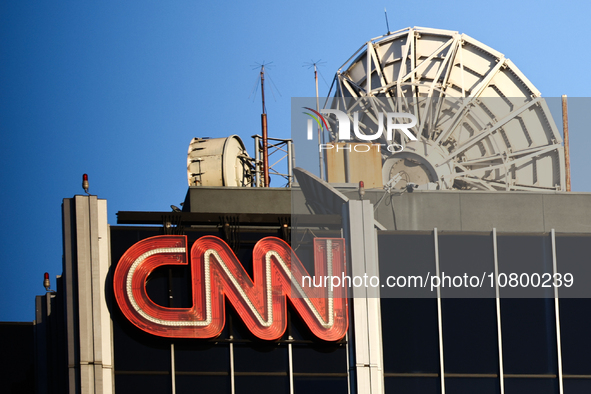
566	141
172	369
461	46
368	69
498	304
264	126
257	161
265	152
289	350
439	317
170	305
557	313
350	369
320	155
232	383
290	158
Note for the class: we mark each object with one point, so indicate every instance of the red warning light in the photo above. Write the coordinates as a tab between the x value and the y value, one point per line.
46	283
85	182
361	189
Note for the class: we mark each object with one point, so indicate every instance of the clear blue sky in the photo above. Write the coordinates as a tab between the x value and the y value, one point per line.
118	89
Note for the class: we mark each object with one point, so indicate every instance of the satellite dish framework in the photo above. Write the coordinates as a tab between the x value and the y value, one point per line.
482	125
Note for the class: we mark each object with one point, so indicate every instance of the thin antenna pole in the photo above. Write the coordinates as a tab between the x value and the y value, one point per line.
316	80
264	126
263	88
566	140
387	24
320	156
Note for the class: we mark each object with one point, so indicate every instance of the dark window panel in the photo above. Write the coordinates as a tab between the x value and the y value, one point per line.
469	257
528	324
529	336
411	385
187	384
261	357
143	384
319	359
524	254
305	384
472	385
575	329
470	336
135	350
122	238
531	385
572	257
201	356
410	335
262	384
577	386
403	254
572	253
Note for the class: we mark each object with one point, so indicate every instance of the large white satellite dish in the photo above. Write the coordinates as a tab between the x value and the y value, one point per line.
481	125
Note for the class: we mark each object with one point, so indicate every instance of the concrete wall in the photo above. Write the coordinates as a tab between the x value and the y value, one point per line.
421	209
481	211
243	200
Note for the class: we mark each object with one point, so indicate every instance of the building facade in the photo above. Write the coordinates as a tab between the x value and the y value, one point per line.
398	339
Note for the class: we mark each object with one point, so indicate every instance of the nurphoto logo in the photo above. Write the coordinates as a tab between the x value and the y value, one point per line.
344	134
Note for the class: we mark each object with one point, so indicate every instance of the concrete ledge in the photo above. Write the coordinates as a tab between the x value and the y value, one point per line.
421	210
238	199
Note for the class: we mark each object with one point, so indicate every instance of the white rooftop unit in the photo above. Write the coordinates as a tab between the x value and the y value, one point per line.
218	162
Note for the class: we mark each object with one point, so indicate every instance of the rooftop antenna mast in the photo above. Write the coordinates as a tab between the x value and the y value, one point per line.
387	24
264	127
265	146
321	156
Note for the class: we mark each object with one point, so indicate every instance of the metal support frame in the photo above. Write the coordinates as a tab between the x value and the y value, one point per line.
275	146
258	162
366	329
